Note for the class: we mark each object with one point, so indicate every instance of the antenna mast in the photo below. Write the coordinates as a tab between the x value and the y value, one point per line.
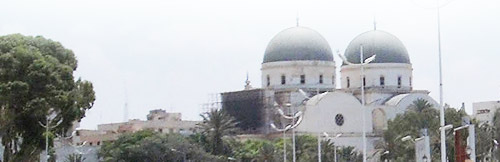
125	107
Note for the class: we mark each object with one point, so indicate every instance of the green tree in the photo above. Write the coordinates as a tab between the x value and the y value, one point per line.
411	123
486	133
327	150
255	150
75	158
349	154
420	104
152	147
36	74
306	147
215	125
484	141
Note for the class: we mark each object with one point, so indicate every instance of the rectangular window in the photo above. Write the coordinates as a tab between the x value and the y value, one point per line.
382	81
302	79
348	82
283	79
268	80
399	82
320	79
410	82
333	79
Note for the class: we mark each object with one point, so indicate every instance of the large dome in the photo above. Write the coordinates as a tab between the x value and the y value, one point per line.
298	43
387	47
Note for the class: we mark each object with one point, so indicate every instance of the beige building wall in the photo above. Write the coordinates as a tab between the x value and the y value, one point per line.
485	111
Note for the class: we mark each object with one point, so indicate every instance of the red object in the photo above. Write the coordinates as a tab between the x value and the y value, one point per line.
460	155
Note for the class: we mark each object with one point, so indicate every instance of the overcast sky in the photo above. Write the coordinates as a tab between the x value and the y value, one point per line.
172	54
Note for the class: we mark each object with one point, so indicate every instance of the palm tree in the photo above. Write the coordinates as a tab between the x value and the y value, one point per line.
327	150
75	158
349	154
217	124
420	105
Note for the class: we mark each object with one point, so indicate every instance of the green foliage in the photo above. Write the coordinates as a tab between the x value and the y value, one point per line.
420	104
36	74
411	123
150	146
486	133
75	158
484	141
215	125
261	150
349	154
307	150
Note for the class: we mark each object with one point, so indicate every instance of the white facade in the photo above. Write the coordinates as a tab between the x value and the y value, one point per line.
485	111
321	115
394	76
299	74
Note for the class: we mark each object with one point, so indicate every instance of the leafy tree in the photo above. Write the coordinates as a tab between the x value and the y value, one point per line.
484	141
486	133
411	123
74	158
327	150
36	74
420	104
349	154
255	150
306	147
215	125
153	147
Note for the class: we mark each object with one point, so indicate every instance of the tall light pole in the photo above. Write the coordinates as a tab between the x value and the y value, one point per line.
361	59
362	63
441	105
284	136
319	147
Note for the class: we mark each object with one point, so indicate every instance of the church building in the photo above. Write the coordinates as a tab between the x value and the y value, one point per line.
299	89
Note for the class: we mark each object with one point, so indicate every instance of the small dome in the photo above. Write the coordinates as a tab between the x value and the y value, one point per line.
387	47
298	43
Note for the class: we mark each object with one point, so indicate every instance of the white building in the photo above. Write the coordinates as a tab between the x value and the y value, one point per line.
300	58
485	111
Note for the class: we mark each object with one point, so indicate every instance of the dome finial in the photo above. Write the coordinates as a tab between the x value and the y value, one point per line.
374	21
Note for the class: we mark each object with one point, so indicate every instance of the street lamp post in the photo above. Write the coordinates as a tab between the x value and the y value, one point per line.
325	135
78	152
52	114
362	63
298	116
441	104
284	136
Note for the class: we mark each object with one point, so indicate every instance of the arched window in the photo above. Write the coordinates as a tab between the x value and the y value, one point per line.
399	81
268	80
410	82
348	82
364	81
283	79
382	81
333	79
320	79
302	79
